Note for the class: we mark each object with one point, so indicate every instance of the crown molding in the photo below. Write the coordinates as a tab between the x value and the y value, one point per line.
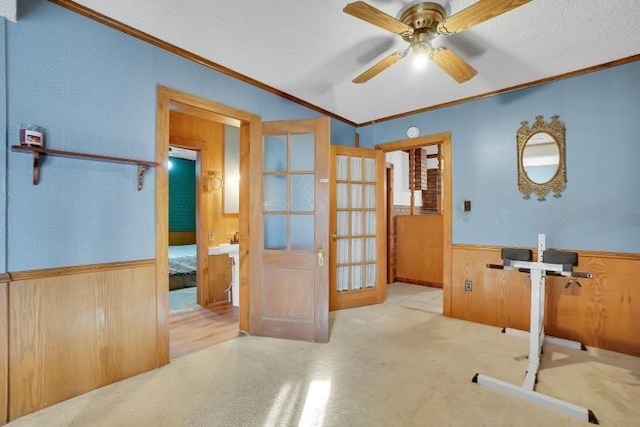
508	89
110	22
103	19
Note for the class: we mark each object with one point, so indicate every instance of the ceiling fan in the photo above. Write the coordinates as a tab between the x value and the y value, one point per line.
420	24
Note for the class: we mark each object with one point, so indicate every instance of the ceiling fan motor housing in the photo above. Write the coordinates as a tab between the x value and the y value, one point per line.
424	19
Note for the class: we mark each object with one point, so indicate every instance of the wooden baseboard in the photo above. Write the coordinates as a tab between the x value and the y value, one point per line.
218	304
419	282
5	278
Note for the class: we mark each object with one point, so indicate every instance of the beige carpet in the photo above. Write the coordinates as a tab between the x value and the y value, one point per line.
386	365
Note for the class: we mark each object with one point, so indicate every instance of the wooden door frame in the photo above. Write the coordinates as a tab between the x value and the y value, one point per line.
388	203
250	134
444	139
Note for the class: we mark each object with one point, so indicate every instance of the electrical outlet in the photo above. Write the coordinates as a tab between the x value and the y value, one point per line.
468	285
212	235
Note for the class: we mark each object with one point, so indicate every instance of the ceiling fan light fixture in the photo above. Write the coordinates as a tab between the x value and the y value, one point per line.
420	60
421	51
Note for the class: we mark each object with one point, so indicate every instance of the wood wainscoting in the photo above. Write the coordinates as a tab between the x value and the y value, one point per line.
419	249
4	346
75	329
603	313
177	238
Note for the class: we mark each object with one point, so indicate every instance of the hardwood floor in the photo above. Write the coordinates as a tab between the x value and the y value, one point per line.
194	329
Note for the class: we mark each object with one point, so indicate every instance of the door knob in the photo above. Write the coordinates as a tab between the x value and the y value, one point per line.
334	237
320	256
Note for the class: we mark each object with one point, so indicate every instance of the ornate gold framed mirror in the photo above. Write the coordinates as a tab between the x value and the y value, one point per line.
542	166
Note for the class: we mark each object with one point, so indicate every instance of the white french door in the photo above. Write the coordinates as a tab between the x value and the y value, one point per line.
358	244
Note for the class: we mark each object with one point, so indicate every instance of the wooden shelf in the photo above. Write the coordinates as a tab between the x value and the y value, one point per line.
143	165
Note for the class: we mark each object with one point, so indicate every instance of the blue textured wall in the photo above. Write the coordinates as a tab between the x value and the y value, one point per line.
3	150
94	90
182	195
600	208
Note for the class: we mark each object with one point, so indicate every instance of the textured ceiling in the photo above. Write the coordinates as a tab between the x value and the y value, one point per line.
8	9
312	50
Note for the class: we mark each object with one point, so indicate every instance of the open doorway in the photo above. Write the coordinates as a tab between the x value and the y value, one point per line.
183	266
418	222
415	228
203	212
278	312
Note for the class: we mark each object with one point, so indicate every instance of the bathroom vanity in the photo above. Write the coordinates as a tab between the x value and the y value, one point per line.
232	251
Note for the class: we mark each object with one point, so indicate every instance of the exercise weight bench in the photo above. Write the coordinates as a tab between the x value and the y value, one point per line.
550	263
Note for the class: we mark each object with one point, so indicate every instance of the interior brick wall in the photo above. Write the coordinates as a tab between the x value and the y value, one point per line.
432	194
418	177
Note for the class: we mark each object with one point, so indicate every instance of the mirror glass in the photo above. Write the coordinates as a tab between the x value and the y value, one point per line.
231	187
541	157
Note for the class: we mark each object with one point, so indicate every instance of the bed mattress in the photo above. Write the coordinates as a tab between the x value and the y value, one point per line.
182	266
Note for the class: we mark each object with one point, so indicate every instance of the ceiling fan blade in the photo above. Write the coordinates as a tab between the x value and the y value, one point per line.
477	13
377	17
453	65
379	67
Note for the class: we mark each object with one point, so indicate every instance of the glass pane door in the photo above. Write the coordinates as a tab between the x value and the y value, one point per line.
289	176
289	220
355	210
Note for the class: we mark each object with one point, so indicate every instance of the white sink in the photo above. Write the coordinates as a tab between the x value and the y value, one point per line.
224	248
234	252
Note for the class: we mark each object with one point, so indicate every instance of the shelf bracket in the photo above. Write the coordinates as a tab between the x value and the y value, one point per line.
36	168
141	170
